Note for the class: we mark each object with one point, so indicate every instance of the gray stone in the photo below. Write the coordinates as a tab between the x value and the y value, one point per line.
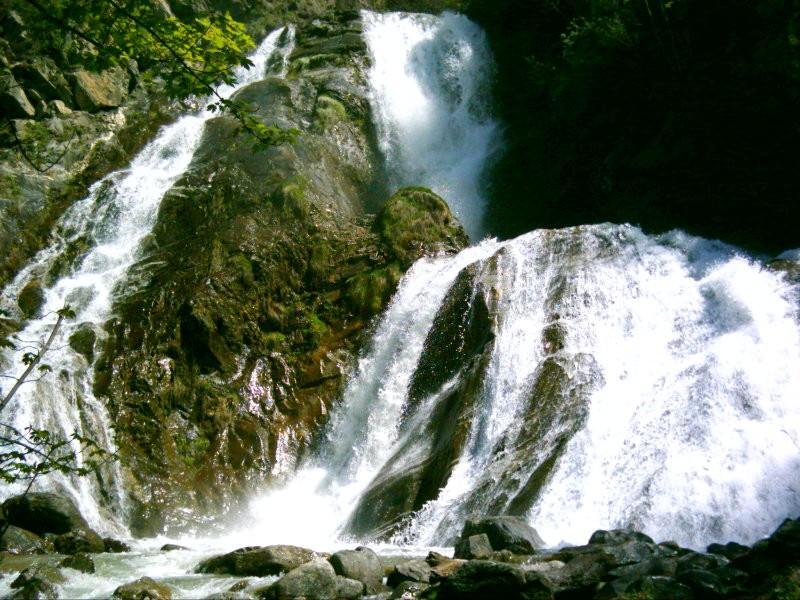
618	536
505	533
112	545
80	562
257	561
14	102
143	589
408	589
314	580
483	579
410	570
79	541
474	546
44	512
361	564
42	75
100	91
31	298
21	541
37	583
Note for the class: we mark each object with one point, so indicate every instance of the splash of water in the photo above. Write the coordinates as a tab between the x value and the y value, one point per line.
429	88
110	222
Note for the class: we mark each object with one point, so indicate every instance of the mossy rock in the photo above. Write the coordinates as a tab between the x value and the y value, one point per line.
83	340
369	292
31	298
415	221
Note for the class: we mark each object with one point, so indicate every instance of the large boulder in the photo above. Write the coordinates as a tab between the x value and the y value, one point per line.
415	222
79	541
361	564
315	580
410	570
505	533
473	546
44	512
39	582
20	541
144	588
31	298
14	104
80	562
99	91
258	561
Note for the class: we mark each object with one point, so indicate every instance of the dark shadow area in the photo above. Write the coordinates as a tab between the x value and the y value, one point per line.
659	113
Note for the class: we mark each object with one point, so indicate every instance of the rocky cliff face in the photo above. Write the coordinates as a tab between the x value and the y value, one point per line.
263	269
62	129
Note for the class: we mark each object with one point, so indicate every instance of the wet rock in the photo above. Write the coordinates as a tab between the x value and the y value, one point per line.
483	579
99	91
79	541
80	562
442	566
777	552
348	589
172	547
408	590
31	298
82	341
44	512
698	561
505	533
731	550
473	546
14	103
39	582
315	579
258	561
144	588
415	222
361	564
411	570
20	541
115	546
618	536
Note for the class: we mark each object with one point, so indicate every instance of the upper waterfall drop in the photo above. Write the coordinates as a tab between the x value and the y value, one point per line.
110	223
429	84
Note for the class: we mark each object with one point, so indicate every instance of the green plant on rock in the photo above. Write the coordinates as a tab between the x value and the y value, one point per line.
191	57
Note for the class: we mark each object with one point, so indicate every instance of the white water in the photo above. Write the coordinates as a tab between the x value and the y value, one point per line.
429	85
118	213
694	422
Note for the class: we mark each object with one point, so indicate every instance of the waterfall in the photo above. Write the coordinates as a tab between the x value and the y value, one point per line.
110	224
631	380
429	86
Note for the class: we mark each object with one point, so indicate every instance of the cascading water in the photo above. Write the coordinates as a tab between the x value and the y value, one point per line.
118	213
429	85
665	369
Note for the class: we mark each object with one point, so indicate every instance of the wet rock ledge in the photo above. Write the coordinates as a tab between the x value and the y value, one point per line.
495	557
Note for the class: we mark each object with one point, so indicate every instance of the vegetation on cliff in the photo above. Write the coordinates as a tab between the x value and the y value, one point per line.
660	113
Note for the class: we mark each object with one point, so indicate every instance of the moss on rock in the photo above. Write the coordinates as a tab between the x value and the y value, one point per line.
415	221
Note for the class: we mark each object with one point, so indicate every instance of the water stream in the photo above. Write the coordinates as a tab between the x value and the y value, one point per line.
110	224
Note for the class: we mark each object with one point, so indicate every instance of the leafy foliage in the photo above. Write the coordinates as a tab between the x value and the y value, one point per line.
665	113
189	58
24	456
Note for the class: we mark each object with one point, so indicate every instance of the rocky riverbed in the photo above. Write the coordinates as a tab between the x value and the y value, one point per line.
49	551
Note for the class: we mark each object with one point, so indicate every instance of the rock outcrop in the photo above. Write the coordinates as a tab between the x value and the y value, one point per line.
263	268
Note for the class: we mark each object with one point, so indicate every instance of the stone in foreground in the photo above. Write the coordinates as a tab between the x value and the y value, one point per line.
257	561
